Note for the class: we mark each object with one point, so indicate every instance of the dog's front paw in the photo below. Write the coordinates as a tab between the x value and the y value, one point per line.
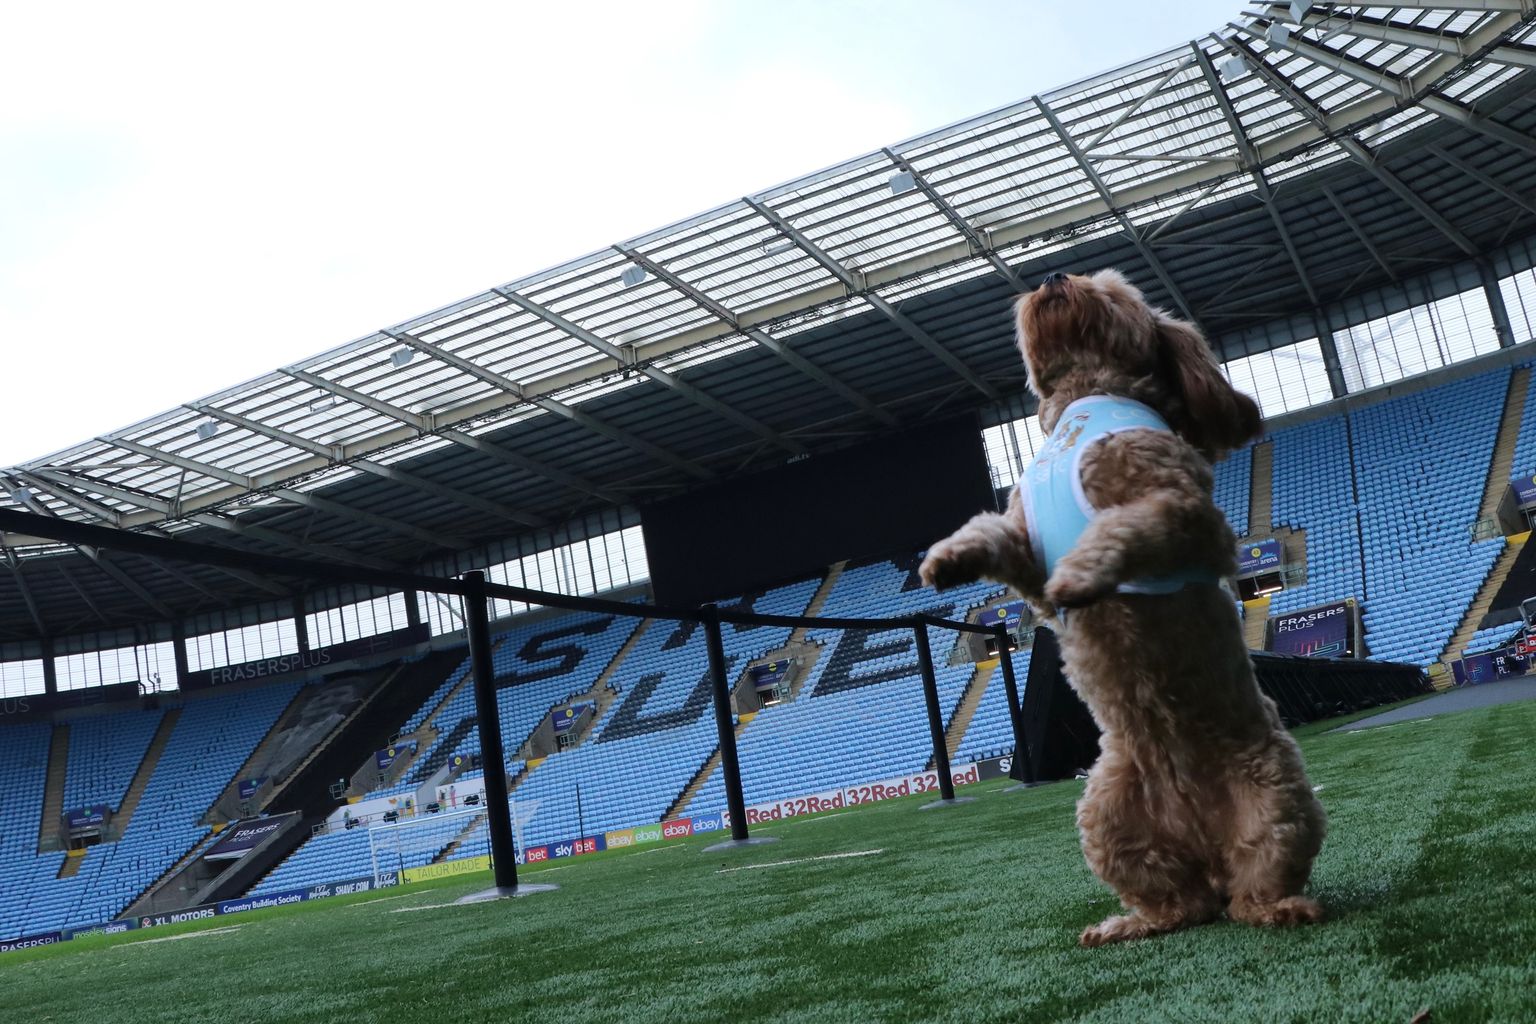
951	563
1073	587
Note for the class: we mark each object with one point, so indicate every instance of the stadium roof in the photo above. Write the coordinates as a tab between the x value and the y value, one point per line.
1297	156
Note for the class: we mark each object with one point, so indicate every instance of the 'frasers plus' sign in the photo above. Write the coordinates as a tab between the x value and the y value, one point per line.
31	941
1319	633
1258	556
244	836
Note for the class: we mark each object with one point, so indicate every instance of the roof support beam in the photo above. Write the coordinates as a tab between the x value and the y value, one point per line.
1151	258
1408	195
1523	202
1382	81
562	410
1484	126
335	456
565	478
1351	145
123	580
1359	232
758	335
84	597
979	245
626	359
66	494
854	282
1152	91
1513	54
14	564
1251	162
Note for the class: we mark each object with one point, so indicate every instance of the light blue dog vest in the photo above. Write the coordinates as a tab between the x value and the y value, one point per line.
1052	487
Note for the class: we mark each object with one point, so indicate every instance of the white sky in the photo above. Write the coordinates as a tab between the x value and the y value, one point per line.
193	195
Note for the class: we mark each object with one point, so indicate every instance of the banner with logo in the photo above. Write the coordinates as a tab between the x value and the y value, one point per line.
852	796
565	718
241	837
94	816
31	941
1010	615
248	787
769	674
1525	490
105	928
386	757
1258	557
306	661
446	869
1316	633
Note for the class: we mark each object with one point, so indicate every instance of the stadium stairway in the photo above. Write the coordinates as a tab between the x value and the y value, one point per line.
447	852
1255	619
799	645
1261	490
146	771
1502	465
970	700
1481	603
227	806
369	728
53	792
598	694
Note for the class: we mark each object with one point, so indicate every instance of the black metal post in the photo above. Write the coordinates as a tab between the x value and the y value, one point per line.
498	814
1023	770
935	716
730	768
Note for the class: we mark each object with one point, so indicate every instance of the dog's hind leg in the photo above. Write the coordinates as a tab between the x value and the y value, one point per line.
1276	834
1157	873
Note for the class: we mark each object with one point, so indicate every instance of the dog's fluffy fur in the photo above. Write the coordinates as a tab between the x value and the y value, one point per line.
1199	801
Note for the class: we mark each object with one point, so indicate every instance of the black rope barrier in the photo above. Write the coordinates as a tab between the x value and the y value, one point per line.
475	590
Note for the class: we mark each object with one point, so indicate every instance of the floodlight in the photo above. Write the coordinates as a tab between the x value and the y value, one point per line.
400	356
1278	34
206	430
22	495
1233	67
323	404
902	181
777	246
632	276
1299	9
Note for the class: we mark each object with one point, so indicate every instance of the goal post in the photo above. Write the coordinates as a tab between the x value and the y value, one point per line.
399	846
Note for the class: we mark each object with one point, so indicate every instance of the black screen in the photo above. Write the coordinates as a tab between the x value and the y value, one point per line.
896	495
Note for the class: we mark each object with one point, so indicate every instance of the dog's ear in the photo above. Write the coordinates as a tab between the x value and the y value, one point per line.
1216	417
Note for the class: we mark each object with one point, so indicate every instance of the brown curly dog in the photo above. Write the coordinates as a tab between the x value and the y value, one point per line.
1199	801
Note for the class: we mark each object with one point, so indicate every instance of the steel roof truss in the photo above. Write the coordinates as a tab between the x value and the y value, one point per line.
626	359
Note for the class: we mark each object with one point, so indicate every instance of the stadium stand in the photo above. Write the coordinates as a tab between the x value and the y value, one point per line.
838	733
104	752
212	737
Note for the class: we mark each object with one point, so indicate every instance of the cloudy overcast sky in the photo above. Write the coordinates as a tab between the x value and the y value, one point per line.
191	196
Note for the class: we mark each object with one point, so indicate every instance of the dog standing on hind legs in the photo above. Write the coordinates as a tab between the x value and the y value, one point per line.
1199	802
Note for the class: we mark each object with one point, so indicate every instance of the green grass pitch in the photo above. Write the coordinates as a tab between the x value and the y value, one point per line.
966	913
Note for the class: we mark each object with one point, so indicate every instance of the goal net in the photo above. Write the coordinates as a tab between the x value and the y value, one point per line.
399	847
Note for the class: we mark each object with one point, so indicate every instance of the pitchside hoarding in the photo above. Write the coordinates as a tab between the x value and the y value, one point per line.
305	661
31	941
1323	632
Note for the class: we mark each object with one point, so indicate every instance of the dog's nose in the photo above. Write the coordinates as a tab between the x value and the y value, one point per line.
1050	279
